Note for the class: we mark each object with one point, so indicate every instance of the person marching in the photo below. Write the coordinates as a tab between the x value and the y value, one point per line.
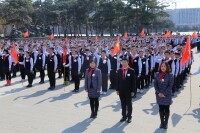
104	66
113	72
126	89
40	65
93	82
7	63
75	68
163	84
66	61
28	64
52	64
21	57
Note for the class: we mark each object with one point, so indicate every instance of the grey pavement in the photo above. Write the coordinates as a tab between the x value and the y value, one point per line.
36	110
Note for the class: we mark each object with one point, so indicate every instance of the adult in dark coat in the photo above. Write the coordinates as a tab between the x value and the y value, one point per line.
93	83
126	89
163	84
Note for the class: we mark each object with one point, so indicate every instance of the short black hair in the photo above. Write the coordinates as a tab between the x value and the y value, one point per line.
93	60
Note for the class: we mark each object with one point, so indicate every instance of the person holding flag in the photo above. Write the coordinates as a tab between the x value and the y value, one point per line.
66	64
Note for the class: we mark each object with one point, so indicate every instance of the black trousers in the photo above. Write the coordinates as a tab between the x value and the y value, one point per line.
2	74
148	79
52	77
178	81
94	105
42	73
8	75
22	71
76	80
113	76
59	73
34	72
30	76
141	81
164	113
126	104
174	85
104	82
65	72
14	70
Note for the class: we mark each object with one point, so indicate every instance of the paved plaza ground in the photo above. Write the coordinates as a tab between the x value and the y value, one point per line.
37	110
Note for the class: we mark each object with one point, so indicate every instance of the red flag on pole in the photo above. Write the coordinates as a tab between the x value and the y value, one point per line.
142	34
14	54
186	53
116	47
64	53
51	36
125	35
167	35
194	35
26	34
96	38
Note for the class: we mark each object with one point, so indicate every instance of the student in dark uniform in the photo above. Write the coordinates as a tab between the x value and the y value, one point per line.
163	86
113	71
59	65
2	75
40	65
104	66
52	64
143	71
134	64
7	67
28	64
86	60
21	57
126	89
93	81
75	69
65	69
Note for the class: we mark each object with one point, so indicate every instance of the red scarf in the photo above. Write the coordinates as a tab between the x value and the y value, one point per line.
162	74
91	71
124	72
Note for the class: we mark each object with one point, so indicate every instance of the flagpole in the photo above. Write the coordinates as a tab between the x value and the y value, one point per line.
190	95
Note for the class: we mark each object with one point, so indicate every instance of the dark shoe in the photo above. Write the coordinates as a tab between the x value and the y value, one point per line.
165	126
29	86
75	90
129	120
92	115
49	88
123	119
41	82
161	125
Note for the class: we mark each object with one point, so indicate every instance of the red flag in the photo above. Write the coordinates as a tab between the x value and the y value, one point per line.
167	35
125	35
66	39
186	53
116	47
26	34
142	34
51	36
14	54
194	35
64	54
96	38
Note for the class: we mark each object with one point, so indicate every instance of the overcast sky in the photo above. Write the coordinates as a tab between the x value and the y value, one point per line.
185	4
